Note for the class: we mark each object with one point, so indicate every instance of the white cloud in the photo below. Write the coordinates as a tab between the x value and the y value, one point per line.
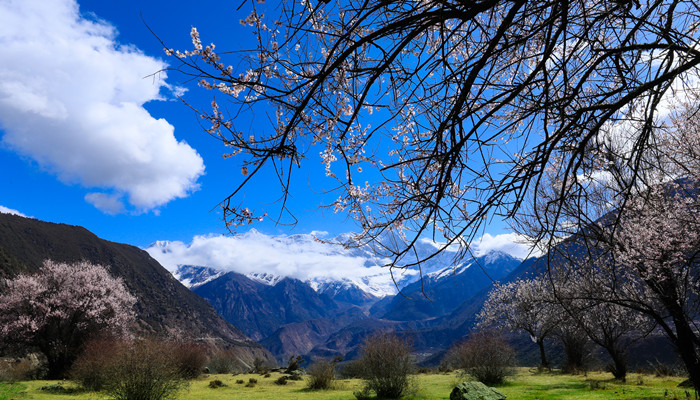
6	210
509	243
72	98
297	256
108	204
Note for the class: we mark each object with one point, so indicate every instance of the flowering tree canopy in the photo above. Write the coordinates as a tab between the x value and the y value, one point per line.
634	230
523	305
58	308
435	116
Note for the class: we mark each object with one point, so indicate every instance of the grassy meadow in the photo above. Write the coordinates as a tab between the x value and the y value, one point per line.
525	385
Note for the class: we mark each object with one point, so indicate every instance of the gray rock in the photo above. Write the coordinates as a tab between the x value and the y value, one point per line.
475	391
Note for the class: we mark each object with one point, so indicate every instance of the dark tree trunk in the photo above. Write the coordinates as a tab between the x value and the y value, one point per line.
618	367
544	364
685	340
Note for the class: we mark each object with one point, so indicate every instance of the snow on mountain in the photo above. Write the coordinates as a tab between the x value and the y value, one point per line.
265	278
193	276
448	271
267	258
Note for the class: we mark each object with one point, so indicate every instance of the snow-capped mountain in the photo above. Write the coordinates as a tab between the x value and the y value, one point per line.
193	276
320	262
265	278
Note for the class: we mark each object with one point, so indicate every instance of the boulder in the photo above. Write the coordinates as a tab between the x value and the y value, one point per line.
475	391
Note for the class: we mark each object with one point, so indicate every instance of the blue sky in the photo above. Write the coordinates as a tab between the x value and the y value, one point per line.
88	138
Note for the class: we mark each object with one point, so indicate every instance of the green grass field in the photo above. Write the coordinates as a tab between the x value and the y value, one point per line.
526	385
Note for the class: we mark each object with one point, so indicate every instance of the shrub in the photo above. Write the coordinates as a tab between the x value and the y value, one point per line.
222	361
351	370
190	359
282	380
322	374
364	394
386	363
90	369
143	370
216	383
486	356
240	381
294	364
31	366
259	366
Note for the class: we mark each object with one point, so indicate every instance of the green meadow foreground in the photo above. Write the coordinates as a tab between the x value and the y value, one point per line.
524	385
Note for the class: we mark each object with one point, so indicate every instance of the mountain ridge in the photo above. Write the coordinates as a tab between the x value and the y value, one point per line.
164	306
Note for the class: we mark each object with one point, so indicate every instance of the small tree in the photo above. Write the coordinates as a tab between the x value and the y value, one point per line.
386	363
486	356
57	309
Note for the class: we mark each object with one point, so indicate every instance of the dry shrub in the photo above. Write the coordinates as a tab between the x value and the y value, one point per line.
90	368
322	374
386	364
222	361
486	356
19	369
143	370
189	357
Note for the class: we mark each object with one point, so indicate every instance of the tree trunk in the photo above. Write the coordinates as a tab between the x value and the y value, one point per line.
685	343
544	364
618	367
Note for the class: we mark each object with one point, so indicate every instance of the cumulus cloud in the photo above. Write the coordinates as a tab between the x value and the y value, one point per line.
107	203
72	99
6	210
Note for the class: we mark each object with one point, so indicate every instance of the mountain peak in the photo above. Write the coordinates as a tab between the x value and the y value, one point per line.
265	278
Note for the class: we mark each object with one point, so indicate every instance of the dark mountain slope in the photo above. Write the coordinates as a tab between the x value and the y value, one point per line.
260	309
447	288
164	305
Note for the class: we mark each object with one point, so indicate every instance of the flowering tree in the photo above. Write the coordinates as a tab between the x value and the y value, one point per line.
58	308
433	116
607	324
522	305
633	248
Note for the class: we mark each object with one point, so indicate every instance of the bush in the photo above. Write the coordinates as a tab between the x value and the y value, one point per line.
322	374
222	361
260	366
90	369
143	370
216	383
294	364
282	380
351	370
386	363
31	366
486	356
190	359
